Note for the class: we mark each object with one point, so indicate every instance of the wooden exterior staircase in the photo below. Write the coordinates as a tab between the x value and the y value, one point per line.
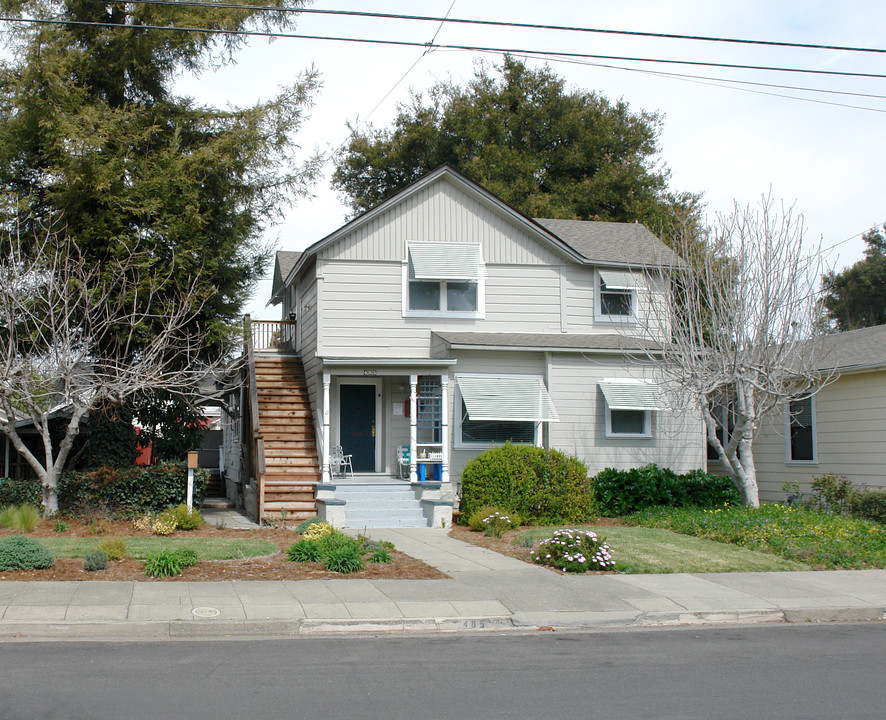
285	461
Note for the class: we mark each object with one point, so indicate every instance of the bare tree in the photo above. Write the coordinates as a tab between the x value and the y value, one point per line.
75	337
743	332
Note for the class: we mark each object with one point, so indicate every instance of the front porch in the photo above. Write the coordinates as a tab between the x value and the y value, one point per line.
390	419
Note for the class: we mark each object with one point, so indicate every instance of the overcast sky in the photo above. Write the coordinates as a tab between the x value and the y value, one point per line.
728	141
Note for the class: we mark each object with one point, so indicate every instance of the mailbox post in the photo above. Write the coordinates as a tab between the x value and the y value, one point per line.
192	465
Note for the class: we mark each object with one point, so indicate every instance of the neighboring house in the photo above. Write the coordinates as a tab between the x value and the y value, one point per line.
840	429
447	322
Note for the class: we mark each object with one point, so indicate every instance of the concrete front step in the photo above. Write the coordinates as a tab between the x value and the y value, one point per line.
380	505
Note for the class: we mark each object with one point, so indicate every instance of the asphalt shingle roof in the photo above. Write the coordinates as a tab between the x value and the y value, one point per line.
612	242
854	350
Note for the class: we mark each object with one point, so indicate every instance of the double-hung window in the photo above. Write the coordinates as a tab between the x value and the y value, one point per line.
629	407
494	409
444	279
800	435
616	295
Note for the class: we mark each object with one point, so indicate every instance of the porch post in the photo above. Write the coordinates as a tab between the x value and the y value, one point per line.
413	428
325	457
444	426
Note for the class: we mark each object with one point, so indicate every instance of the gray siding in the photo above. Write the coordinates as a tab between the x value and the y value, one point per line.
676	440
850	433
442	213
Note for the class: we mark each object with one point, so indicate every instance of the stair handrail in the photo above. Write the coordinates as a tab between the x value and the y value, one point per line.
257	439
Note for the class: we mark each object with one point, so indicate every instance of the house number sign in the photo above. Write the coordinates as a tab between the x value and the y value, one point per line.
370	373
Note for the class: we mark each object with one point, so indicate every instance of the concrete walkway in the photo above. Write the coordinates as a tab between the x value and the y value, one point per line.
485	591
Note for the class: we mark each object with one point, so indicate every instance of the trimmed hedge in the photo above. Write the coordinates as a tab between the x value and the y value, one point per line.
129	489
621	492
869	504
542	486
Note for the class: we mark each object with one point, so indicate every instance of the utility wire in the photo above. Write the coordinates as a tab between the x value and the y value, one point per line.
502	23
471	48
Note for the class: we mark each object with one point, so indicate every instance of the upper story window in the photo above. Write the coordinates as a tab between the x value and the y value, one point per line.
444	279
800	438
616	295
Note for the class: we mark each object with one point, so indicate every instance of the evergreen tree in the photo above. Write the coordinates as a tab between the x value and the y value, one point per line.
547	151
95	145
856	297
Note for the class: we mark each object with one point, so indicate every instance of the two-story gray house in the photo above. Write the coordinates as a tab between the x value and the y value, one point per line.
441	323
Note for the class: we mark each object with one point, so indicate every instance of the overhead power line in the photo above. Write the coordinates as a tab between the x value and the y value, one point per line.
503	23
444	46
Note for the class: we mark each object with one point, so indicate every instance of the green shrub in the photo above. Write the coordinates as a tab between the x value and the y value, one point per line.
542	486
23	518
477	520
574	551
21	553
868	504
186	557
621	492
20	492
164	563
305	524
114	548
344	558
95	560
187	519
304	551
336	540
129	489
830	493
380	555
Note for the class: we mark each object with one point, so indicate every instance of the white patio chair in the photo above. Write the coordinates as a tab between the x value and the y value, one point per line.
339	463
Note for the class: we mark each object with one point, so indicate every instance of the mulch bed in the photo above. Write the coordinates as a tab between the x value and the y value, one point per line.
270	567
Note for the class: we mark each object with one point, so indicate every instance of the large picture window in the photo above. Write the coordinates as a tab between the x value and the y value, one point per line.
444	278
801	430
497	409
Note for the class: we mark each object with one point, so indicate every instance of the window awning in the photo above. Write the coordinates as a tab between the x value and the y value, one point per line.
507	398
632	396
618	279
444	261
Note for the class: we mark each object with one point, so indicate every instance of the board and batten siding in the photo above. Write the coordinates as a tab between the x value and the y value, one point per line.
850	436
677	439
442	213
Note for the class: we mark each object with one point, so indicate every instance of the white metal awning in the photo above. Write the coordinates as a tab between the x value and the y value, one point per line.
632	396
507	398
445	261
618	279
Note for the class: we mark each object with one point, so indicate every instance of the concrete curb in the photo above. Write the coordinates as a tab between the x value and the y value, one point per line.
522	622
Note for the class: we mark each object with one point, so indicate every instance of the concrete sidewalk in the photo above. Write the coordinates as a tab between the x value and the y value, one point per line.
485	591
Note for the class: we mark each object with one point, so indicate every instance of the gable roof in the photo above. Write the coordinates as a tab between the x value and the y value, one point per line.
284	262
584	241
854	350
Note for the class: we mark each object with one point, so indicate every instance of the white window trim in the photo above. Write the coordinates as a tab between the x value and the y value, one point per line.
457	405
599	316
647	433
787	435
479	314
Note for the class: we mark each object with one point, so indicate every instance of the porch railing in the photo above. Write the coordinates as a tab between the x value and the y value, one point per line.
270	334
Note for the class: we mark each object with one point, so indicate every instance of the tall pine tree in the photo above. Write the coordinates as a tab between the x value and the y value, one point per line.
94	144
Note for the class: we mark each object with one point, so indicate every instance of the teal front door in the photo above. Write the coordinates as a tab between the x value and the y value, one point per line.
357	425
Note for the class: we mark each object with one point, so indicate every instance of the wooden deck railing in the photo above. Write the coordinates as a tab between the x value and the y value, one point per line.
270	334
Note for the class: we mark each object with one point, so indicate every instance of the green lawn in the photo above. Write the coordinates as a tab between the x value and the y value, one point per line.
651	550
139	548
